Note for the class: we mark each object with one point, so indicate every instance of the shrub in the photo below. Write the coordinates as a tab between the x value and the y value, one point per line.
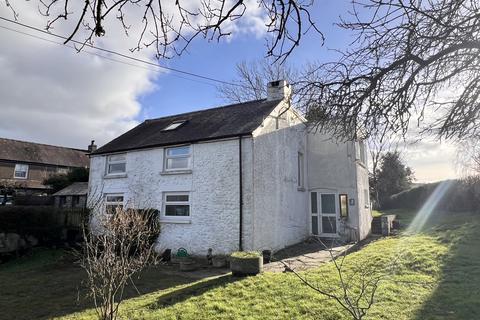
463	195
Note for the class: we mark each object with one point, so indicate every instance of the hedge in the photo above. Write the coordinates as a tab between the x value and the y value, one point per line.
463	195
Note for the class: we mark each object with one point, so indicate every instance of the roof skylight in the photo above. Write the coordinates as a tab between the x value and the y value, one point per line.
174	125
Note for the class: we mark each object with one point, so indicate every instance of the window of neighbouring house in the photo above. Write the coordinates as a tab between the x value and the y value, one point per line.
343	198
113	202
62	201
178	158
300	170
21	171
116	164
75	201
176	204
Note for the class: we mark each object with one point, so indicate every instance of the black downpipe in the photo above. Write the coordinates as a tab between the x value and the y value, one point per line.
240	240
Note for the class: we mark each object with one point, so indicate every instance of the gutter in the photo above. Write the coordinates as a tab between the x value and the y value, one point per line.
240	181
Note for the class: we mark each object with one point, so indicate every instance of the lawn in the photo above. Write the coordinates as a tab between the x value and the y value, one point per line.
438	277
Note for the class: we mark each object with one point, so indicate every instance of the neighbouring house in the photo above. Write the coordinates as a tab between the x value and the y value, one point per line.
248	176
72	197
25	165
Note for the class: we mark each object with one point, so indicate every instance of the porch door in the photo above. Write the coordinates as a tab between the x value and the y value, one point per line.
324	214
328	212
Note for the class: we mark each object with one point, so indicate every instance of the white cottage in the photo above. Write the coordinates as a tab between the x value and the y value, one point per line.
246	176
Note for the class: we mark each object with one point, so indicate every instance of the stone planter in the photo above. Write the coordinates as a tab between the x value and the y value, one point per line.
219	261
245	266
187	264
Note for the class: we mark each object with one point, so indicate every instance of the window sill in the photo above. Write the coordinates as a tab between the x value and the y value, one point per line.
174	172
302	189
173	220
114	176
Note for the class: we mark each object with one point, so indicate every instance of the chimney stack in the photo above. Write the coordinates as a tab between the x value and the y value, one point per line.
279	89
92	147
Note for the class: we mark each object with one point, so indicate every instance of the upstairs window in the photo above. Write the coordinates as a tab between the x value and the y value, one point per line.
174	125
178	158
113	202
116	164
21	171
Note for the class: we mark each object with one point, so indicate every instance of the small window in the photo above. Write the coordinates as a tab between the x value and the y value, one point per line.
176	205
173	125
363	152
62	201
300	170
21	171
178	158
75	201
113	202
116	164
343	205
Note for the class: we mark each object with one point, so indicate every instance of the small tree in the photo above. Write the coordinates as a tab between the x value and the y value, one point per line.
393	176
59	181
119	246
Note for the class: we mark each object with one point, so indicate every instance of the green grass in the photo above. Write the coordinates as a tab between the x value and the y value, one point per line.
438	278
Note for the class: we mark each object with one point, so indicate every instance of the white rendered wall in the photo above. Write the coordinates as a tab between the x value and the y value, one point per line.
280	208
214	193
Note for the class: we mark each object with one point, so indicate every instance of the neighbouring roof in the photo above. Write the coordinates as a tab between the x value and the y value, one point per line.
75	189
222	122
29	152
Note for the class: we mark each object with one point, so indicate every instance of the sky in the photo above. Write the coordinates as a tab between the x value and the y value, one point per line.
52	94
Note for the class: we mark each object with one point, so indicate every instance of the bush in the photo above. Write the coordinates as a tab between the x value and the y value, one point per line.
463	195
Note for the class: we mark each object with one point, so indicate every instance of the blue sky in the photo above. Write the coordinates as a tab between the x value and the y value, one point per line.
217	60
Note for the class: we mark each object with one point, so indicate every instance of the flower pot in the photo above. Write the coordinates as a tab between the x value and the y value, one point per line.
187	265
246	266
219	262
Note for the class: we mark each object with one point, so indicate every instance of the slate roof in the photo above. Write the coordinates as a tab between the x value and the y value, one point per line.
210	124
75	189
29	152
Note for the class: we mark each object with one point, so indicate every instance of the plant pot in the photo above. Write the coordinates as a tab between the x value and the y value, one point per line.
219	262
246	266
187	265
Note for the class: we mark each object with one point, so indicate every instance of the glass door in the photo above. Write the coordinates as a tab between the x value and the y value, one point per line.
328	212
324	213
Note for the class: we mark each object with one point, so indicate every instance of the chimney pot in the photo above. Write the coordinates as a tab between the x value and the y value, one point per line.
92	147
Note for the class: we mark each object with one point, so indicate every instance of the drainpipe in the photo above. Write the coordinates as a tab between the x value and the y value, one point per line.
240	239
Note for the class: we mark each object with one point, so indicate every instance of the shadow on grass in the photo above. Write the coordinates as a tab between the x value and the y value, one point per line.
458	291
196	289
49	284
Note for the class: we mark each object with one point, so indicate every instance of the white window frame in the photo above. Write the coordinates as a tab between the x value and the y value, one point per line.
300	171
184	219
117	203
109	162
18	165
166	157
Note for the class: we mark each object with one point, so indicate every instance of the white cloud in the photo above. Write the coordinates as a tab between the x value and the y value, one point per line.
52	94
